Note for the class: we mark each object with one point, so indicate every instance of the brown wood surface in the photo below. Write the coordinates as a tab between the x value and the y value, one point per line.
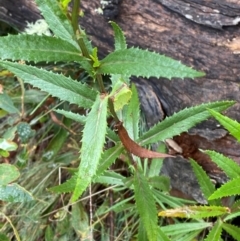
203	34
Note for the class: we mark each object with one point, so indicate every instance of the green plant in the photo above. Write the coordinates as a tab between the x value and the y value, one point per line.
224	214
119	106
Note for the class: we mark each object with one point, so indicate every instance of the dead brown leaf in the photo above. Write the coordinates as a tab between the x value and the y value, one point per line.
132	147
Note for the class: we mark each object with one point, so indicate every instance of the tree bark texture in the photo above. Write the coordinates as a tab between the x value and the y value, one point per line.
203	34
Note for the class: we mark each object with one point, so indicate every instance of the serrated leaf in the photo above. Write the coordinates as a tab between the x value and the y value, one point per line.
119	38
38	48
229	189
204	182
138	62
55	84
181	121
14	193
231	125
195	212
230	167
92	144
232	230
71	115
215	233
182	228
142	234
110	178
67	186
8	173
6	102
108	157
57	20
145	205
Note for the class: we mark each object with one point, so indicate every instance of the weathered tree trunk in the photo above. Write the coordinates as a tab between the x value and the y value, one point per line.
202	34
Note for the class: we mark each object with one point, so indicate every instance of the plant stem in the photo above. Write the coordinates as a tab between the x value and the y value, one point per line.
100	83
112	111
75	14
77	30
83	47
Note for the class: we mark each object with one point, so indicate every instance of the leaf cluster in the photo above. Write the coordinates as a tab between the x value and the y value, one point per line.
120	107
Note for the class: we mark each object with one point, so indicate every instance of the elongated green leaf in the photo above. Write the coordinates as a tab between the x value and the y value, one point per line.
120	206
57	85
145	205
189	236
181	121
6	102
71	115
92	144
120	41
172	202
142	234
231	216
232	230
111	135
38	48
67	186
230	167
216	231
162	236
138	62
108	157
229	189
57	20
110	178
8	173
182	228
204	181
231	125
195	212
14	193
